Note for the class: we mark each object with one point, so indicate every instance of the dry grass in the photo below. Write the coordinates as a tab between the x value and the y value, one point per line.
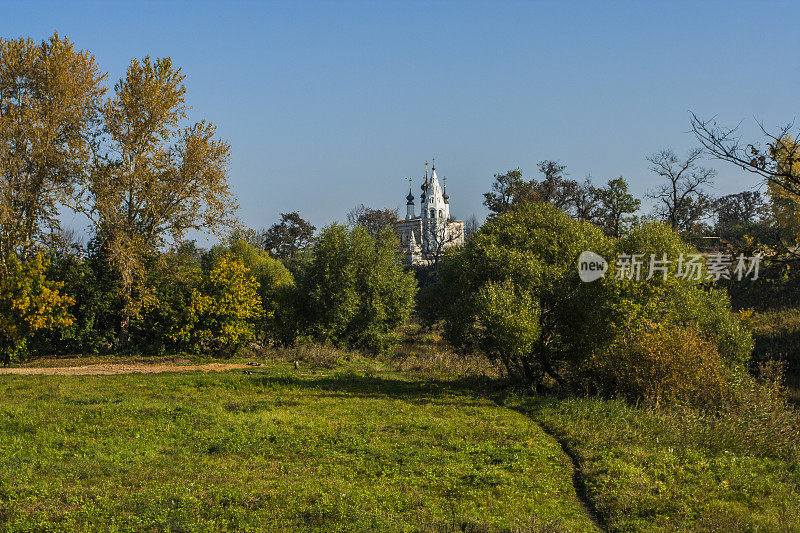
424	352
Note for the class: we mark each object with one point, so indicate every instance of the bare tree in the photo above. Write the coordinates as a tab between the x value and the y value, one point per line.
778	163
471	226
682	200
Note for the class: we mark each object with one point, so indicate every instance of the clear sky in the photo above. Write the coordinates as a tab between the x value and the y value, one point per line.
328	105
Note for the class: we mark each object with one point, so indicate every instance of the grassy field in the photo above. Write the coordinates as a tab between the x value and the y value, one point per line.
330	451
675	470
350	444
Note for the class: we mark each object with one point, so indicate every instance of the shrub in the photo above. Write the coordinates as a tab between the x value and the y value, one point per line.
352	291
663	364
28	303
513	293
223	313
275	284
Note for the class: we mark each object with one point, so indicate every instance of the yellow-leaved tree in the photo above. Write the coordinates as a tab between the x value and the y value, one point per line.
28	303
785	201
157	176
225	311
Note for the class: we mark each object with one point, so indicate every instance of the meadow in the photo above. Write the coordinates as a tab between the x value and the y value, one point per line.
336	450
346	443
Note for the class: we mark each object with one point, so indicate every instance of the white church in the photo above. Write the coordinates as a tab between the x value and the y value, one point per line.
424	238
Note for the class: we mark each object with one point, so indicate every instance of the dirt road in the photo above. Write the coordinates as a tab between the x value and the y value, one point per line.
120	368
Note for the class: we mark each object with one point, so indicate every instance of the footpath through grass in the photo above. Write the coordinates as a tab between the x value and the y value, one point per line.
671	469
275	451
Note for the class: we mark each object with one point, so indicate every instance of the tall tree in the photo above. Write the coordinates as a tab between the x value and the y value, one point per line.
738	209
682	200
50	96
289	236
508	190
617	206
373	220
157	177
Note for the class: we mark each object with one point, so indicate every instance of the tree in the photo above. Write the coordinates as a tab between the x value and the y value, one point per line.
508	190
511	189
682	200
28	303
471	226
738	209
50	96
275	282
776	162
291	235
156	179
586	202
513	293
616	207
554	187
354	292
373	220
223	313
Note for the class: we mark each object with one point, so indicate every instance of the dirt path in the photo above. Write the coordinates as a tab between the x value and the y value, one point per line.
120	368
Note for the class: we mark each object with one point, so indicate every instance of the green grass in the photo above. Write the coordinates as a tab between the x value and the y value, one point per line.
335	451
672	469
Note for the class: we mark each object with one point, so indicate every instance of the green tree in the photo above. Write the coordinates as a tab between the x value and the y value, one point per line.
513	293
373	220
353	291
616	207
287	238
50	96
28	303
275	287
508	190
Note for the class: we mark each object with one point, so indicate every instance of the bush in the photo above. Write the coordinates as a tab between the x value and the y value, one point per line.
223	313
513	293
275	283
663	364
352	291
29	302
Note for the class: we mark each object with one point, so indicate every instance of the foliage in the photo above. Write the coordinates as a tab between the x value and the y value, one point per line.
682	201
155	179
616	207
50	96
223	313
513	293
28	303
353	291
275	287
373	220
288	237
662	364
508	190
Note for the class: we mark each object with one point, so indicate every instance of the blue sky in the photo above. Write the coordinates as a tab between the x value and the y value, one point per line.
328	105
